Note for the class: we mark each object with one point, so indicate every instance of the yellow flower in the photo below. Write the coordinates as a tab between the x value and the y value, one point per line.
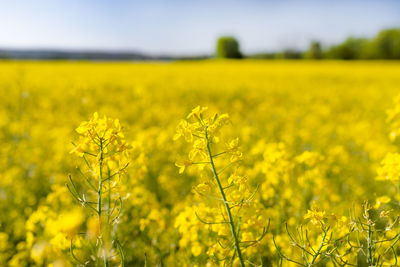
238	180
202	188
198	152
381	201
182	165
196	112
184	129
78	150
384	213
315	215
70	221
310	158
196	249
390	168
38	251
93	227
233	149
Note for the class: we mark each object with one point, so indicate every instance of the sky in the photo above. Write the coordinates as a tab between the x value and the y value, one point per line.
185	27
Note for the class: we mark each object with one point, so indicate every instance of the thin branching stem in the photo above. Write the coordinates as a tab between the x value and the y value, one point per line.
227	207
321	245
99	201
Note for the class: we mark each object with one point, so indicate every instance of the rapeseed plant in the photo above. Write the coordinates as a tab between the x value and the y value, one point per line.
318	242
235	210
376	234
104	150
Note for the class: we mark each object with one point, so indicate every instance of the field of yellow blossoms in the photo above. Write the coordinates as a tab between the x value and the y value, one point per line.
211	163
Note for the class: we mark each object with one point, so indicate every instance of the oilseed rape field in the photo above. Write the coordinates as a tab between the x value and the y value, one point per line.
203	163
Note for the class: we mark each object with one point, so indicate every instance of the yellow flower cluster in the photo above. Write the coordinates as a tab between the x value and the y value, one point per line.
102	139
50	231
390	168
315	215
393	118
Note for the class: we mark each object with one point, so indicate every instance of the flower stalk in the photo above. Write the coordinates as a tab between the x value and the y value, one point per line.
102	141
226	204
228	238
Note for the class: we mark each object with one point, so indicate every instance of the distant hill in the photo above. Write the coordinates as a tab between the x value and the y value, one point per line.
54	54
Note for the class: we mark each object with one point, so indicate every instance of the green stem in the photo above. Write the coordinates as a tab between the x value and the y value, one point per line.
99	202
370	260
320	247
109	199
228	209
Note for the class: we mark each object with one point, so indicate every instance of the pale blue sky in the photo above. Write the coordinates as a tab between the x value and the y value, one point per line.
188	27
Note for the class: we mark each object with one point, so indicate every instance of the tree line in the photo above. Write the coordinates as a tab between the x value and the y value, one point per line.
385	45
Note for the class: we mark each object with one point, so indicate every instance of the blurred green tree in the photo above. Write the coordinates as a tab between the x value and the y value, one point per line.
315	51
386	45
352	48
289	54
228	47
